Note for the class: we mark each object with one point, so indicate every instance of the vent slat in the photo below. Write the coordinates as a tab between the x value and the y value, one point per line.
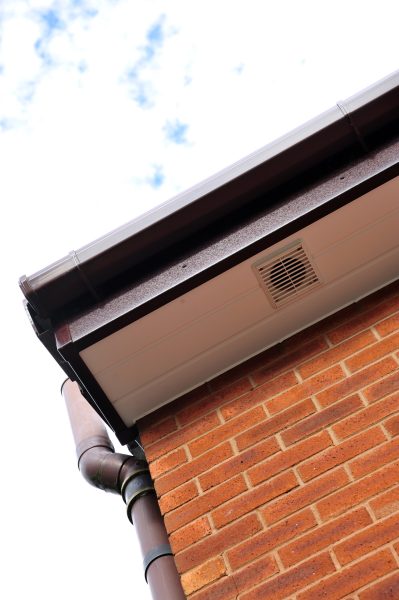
288	275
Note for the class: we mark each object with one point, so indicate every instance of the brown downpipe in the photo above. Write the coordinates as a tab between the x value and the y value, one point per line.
128	476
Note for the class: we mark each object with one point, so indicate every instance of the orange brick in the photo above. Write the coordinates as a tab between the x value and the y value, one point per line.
382	388
224	589
305	495
389	325
275	424
366	417
253	498
364	320
341	453
227	430
188	535
265	541
352	578
337	353
371	354
168	462
193	468
239	463
321	419
259	395
374	460
386	503
289	458
181	436
203	574
254	573
217	543
202	504
359	491
323	536
211	402
388	589
155	432
177	497
366	541
357	382
228	587
288	361
392	426
308	388
286	584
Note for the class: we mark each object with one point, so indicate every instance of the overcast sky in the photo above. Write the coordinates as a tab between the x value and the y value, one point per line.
107	108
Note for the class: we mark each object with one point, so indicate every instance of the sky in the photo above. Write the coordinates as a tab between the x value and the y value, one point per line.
107	109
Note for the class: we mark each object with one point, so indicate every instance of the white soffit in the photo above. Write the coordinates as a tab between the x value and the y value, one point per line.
224	321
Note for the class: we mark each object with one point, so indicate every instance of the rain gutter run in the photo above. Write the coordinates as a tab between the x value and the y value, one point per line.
88	275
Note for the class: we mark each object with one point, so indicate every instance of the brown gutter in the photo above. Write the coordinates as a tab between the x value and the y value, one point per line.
130	477
91	273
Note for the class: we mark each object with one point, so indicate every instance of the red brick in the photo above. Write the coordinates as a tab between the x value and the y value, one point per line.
337	353
192	412
188	535
170	409
168	462
203	574
275	424
321	419
239	463
265	541
177	497
374	460
193	468
227	430
224	589
389	325
253	498
382	388
371	354
357	382
199	506
288	361
289	458
286	584
388	589
364	320
366	417
341	453
181	436
359	491
352	578
155	432
217	543
392	426
323	536
259	395
304	496
255	573
239	581
366	541
306	389
386	503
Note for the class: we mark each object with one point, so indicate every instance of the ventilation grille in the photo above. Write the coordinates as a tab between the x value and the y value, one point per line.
287	275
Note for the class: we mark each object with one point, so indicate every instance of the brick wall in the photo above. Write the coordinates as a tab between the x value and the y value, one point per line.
279	479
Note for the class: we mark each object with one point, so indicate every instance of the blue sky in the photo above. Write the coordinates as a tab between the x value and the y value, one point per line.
108	108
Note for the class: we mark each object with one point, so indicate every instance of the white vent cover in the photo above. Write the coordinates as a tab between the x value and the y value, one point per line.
286	275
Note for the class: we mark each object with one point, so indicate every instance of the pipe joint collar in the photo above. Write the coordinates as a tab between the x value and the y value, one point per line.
136	486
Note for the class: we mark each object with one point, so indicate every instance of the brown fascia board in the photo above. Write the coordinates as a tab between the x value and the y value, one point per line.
92	274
